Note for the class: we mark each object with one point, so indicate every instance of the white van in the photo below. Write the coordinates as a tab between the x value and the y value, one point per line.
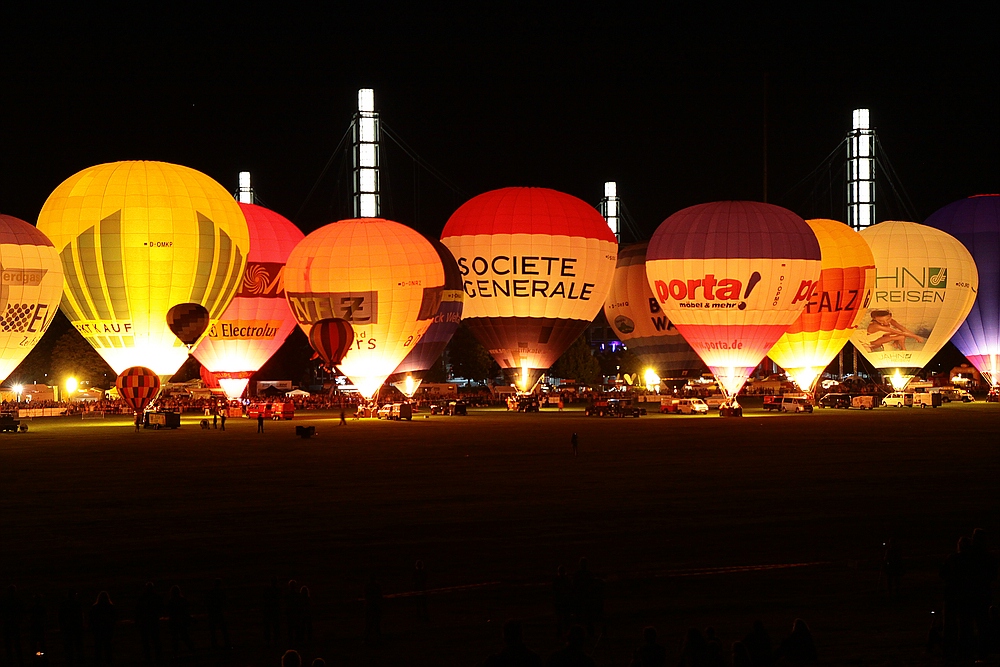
898	399
794	404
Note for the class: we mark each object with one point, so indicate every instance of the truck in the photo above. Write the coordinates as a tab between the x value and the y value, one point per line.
272	410
926	399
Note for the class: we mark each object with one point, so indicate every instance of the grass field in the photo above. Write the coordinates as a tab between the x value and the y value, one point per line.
691	521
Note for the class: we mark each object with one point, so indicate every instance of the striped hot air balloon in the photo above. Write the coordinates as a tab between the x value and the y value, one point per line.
257	321
537	265
733	276
834	306
136	239
331	339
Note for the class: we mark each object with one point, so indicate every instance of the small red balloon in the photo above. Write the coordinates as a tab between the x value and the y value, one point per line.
138	386
332	338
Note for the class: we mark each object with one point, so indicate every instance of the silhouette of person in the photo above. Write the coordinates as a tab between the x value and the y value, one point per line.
270	608
572	654
575	441
36	623
179	620
798	648
562	599
215	605
694	653
741	656
758	645
215	418
305	615
11	610
373	611
292	616
714	654
138	421
260	421
291	658
650	653
102	624
343	417
957	573
514	653
420	588
892	567
148	608
71	627
222	419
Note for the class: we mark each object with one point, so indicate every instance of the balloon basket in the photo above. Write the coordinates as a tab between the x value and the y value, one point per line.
731	409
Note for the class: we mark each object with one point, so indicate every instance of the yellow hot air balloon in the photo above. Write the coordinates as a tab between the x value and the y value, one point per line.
382	277
30	289
135	239
834	306
925	285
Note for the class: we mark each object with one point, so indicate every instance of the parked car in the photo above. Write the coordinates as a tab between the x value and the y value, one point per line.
715	401
898	399
835	401
686	406
384	412
775	402
794	404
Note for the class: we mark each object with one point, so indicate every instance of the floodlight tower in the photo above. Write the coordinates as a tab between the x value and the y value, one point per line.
366	157
610	208
245	194
861	172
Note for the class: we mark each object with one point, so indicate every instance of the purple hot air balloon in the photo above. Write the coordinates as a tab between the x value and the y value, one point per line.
446	321
975	221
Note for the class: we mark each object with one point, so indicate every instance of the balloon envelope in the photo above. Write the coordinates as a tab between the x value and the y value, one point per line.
381	276
925	285
257	321
188	321
537	266
975	222
639	322
30	291
432	344
834	306
135	239
138	386
331	338
732	276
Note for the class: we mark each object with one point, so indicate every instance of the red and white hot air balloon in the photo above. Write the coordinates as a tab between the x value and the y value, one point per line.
537	265
257	320
733	276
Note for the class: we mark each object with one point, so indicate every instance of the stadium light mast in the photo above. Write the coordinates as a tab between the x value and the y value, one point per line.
610	208
245	194
367	203
861	171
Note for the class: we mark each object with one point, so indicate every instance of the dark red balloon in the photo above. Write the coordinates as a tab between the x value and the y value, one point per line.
331	338
138	386
188	321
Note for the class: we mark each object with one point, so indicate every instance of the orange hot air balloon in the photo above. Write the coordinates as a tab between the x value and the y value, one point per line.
834	307
537	266
257	321
733	276
925	285
641	324
382	277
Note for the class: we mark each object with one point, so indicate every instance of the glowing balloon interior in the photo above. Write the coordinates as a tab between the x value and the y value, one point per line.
732	276
257	321
135	239
381	276
31	290
834	306
975	222
925	285
536	266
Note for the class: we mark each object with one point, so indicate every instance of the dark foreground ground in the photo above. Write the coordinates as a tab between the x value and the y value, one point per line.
691	521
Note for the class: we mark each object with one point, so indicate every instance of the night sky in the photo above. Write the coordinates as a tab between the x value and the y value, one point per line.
669	102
